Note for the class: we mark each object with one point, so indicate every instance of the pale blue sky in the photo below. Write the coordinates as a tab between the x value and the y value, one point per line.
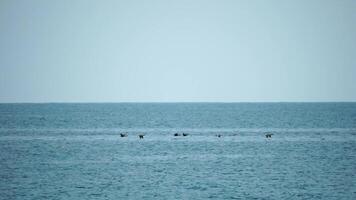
183	50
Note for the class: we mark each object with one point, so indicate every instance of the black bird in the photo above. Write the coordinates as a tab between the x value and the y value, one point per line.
123	135
141	136
176	134
218	135
185	134
269	135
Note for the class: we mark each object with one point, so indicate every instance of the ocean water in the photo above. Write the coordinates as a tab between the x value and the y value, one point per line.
73	151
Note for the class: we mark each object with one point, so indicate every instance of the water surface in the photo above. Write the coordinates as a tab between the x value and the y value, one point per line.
73	151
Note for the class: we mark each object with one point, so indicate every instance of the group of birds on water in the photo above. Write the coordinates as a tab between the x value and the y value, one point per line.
142	135
268	135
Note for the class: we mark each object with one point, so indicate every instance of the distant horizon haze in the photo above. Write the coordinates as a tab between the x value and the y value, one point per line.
174	102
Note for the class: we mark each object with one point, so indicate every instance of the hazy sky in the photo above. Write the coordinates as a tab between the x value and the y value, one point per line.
183	50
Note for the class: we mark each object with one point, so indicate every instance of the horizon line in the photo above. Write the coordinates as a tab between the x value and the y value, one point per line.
152	102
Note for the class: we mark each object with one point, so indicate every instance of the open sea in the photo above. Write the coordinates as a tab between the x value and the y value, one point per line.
74	151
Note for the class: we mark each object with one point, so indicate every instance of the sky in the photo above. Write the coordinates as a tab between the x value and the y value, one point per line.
177	51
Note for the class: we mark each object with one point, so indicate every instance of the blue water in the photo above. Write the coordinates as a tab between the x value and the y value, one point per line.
73	151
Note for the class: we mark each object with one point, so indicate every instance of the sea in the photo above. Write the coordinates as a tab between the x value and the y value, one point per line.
74	151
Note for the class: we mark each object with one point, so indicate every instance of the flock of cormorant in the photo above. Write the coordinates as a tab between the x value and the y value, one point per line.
268	135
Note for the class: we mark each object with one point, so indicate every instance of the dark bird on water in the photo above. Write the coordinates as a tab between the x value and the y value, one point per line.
185	134
123	135
176	134
269	135
141	136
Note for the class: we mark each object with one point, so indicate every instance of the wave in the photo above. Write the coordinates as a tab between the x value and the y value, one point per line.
194	131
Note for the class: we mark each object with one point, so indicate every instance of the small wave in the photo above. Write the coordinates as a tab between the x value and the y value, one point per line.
171	130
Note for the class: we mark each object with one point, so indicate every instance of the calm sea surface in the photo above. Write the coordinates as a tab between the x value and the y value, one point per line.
74	151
